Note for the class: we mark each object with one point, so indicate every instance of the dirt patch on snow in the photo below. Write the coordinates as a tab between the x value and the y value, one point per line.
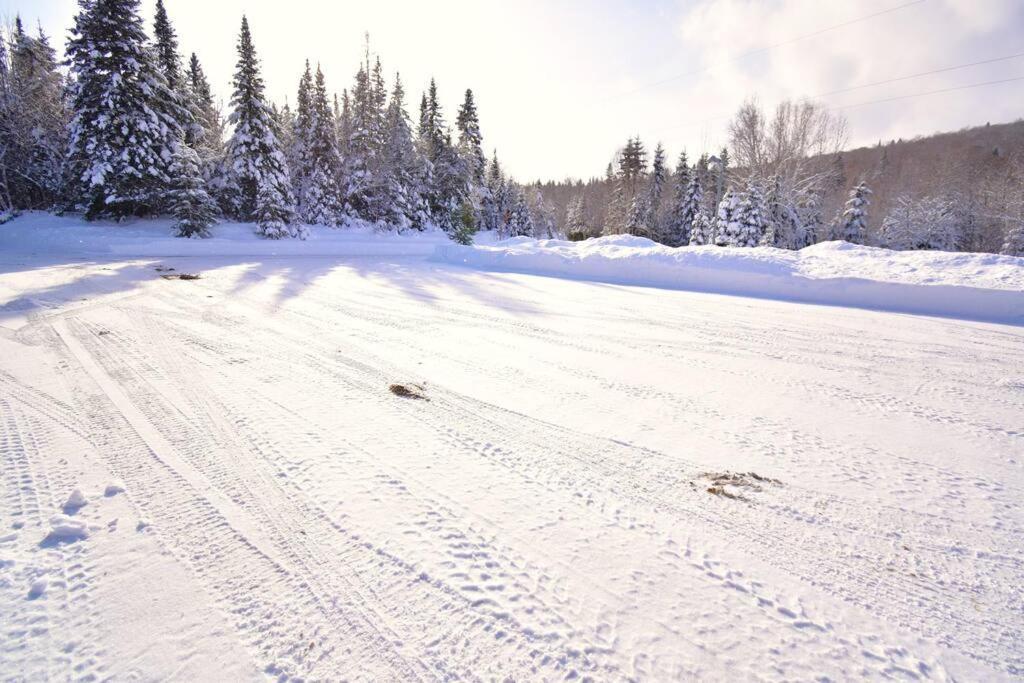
733	485
180	276
413	391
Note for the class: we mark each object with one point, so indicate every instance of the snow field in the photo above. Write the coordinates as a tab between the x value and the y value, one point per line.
607	481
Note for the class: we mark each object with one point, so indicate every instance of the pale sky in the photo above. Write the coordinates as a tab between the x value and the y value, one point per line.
560	84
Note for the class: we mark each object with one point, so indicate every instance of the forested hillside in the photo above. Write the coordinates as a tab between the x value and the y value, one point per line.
968	182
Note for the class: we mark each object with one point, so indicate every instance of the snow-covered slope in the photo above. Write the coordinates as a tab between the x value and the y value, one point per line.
972	286
598	480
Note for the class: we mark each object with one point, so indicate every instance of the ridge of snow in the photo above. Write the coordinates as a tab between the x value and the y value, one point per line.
984	287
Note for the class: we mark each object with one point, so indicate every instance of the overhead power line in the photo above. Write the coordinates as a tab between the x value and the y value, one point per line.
930	92
969	86
766	48
918	75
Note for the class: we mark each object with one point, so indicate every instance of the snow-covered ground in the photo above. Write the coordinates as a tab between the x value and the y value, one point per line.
211	479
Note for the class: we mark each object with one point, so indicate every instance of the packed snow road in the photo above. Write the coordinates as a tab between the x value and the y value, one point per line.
388	469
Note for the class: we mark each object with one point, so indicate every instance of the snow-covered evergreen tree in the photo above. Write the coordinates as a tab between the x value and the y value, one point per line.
655	190
404	169
363	175
703	231
317	160
447	188
810	224
730	230
519	222
1013	243
188	201
496	200
851	224
207	136
575	219
470	141
258	180
751	218
124	127
166	43
33	120
686	203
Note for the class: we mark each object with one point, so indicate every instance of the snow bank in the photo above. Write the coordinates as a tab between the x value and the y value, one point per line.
42	233
983	287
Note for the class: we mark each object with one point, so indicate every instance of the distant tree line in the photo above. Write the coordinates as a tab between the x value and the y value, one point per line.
783	182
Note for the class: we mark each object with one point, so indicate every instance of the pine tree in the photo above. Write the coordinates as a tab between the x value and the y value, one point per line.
404	169
729	228
362	194
258	173
470	140
314	158
679	221
495	214
447	180
751	218
520	222
207	136
166	42
122	132
1013	245
703	232
851	225
616	213
810	224
575	219
192	207
33	120
655	189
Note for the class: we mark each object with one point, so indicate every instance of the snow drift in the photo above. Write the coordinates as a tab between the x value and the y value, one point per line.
984	287
38	232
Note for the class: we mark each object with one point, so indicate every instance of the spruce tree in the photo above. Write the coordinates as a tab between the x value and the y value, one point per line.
575	219
33	120
207	136
703	231
679	220
851	224
655	189
1013	244
470	140
751	218
496	205
729	228
362	193
166	42
258	173
320	160
404	169
122	132
190	204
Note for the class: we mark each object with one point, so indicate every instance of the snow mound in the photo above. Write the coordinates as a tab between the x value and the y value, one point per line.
38	588
65	529
985	287
114	488
76	500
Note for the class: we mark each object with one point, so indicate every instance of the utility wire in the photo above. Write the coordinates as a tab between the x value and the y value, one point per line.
918	75
766	49
930	92
878	101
